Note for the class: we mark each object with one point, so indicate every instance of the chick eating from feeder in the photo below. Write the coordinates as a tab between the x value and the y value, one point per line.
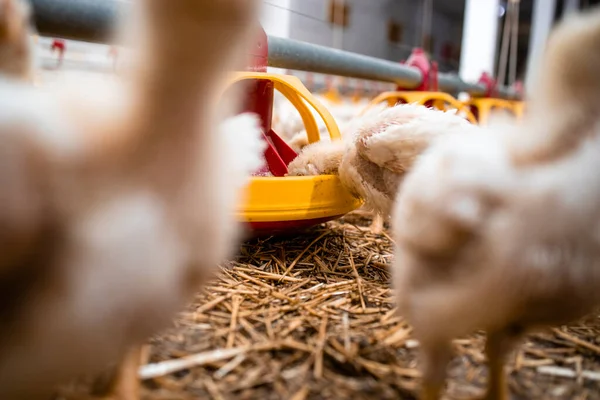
288	123
116	207
499	232
377	150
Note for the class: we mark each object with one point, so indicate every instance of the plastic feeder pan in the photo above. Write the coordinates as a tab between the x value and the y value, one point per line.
483	107
285	204
437	100
275	205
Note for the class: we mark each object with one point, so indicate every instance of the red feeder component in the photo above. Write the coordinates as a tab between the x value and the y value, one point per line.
429	71
59	46
490	84
259	100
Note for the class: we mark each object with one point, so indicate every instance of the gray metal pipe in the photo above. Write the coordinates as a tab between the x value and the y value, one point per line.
293	54
86	20
92	21
452	83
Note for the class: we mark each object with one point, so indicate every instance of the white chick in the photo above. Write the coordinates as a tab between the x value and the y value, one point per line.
325	156
117	201
299	140
499	231
321	158
16	47
382	146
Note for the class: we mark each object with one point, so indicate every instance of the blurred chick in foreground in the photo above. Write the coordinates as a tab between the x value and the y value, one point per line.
116	207
499	231
16	45
377	150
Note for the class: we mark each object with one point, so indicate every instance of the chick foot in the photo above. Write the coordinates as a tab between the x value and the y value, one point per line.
376	226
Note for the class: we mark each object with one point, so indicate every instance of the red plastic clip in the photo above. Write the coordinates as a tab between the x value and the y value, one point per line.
429	71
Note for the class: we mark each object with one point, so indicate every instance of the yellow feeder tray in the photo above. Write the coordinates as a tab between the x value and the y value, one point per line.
437	100
483	107
274	204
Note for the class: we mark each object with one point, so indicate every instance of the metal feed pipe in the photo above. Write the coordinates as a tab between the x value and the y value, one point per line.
92	21
293	54
87	20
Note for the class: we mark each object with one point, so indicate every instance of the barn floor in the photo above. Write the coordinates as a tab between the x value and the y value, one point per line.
311	317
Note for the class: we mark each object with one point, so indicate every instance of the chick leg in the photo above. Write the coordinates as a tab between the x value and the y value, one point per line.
121	382
377	225
497	348
436	357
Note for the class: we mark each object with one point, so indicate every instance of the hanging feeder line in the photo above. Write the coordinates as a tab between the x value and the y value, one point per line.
509	39
514	43
92	21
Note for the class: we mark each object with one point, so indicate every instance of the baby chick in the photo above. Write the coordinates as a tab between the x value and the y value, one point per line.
499	231
377	151
117	198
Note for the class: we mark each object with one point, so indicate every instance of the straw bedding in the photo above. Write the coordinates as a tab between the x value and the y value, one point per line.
312	317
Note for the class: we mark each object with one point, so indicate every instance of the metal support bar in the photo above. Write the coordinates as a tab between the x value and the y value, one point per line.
92	21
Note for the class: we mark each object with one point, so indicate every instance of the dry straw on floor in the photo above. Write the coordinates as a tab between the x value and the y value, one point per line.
311	317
